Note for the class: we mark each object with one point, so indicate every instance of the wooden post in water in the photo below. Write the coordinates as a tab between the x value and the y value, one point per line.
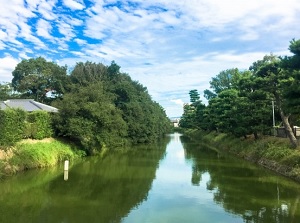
66	170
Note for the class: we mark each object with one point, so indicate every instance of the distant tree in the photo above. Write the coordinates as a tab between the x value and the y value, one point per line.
193	113
34	78
5	91
194	96
146	120
188	117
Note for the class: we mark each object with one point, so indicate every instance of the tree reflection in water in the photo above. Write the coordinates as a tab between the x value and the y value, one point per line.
242	188
98	189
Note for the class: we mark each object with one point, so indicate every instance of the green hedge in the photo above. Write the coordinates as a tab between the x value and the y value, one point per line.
16	124
39	125
12	126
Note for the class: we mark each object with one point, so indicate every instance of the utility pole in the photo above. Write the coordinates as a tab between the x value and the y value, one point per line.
273	117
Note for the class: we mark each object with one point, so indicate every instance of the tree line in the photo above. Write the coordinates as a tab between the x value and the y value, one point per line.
240	101
99	106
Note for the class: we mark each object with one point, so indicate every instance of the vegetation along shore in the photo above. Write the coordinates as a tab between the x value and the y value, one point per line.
250	111
271	152
93	109
97	107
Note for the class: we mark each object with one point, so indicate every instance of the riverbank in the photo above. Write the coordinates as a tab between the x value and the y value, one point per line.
29	154
270	152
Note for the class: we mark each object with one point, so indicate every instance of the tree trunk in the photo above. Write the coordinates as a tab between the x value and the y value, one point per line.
286	124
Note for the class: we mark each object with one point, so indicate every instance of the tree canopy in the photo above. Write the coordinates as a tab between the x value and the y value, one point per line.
240	102
99	106
35	77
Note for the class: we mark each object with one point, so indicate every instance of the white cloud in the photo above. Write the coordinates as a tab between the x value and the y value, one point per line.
7	65
80	41
169	46
66	30
44	29
178	101
45	8
74	4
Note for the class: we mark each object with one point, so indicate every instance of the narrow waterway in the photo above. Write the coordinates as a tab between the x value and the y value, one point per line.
174	181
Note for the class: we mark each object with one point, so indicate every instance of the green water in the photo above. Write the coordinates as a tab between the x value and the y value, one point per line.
174	181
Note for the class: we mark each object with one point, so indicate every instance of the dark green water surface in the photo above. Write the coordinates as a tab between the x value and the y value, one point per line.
174	181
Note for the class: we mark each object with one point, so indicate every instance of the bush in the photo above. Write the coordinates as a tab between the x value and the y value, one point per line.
12	125
38	125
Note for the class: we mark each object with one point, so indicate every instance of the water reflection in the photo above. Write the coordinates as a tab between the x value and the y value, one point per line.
173	182
98	190
243	189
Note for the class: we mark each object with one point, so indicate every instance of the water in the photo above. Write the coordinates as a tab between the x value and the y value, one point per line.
174	181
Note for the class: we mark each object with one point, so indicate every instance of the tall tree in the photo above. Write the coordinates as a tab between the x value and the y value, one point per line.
106	108
291	68
87	115
193	114
36	77
194	96
270	77
227	79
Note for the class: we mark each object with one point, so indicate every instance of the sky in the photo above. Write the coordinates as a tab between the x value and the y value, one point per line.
169	46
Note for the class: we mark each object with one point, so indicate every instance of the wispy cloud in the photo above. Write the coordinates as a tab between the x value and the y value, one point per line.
44	29
74	4
169	46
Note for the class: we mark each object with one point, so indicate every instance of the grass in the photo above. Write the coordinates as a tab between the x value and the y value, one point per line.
29	154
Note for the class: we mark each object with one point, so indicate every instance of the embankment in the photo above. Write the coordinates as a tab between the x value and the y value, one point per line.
29	154
270	152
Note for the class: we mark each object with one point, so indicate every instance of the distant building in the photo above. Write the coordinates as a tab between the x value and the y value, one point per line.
28	105
175	122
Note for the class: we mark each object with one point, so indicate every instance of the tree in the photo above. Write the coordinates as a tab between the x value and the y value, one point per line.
291	68
34	78
193	115
88	116
146	120
227	79
194	96
259	105
86	73
188	117
5	91
105	108
269	76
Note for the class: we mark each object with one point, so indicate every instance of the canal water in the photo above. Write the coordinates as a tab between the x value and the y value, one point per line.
173	181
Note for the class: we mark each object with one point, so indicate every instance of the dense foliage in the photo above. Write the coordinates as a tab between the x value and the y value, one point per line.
16	124
34	78
240	102
12	125
98	105
38	125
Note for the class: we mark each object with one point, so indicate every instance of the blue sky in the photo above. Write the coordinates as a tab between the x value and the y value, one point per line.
171	47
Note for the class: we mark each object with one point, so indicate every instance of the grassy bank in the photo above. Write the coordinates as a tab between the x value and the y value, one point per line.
29	154
271	152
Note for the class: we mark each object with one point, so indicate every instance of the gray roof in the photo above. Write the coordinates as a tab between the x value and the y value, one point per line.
27	105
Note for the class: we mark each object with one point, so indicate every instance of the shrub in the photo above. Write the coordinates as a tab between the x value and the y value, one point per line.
12	125
38	125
